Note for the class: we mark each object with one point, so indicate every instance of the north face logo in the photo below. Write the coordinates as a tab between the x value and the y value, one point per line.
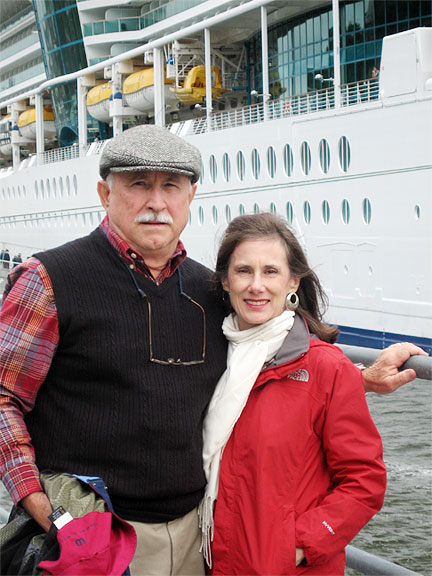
301	375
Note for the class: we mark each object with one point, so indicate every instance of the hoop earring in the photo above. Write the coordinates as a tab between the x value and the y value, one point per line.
292	301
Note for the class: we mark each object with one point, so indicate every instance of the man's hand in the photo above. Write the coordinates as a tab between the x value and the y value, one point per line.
38	506
383	376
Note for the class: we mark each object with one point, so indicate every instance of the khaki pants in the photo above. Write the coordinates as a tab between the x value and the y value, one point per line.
168	548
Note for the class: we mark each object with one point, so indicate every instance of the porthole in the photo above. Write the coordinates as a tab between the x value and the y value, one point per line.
305	158
213	168
256	209
344	153
226	165
273	208
42	189
288	159
48	188
75	185
324	154
54	183
24	190
240	165
242	210
214	215
307	212
256	164
346	212
201	215
228	213
367	211
68	188
325	212
417	211
289	212
271	161
201	173
61	186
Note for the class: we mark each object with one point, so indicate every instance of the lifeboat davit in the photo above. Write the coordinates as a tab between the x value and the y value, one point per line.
138	90
193	90
98	102
27	123
5	140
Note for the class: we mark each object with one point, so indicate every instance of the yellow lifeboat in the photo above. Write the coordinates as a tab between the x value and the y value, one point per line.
138	90
5	139
27	123
193	90
98	102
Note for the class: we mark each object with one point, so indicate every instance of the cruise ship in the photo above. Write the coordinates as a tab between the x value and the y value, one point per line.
317	110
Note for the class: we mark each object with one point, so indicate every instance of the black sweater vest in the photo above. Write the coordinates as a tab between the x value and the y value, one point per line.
104	408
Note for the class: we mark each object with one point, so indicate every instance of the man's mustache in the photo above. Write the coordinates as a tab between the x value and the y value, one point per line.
151	216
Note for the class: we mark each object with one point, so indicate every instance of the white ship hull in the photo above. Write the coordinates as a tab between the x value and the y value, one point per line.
362	207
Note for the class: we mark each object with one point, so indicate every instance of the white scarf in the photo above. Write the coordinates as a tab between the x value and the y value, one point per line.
248	350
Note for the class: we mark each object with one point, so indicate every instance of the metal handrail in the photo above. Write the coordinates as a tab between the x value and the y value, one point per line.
370	564
367	356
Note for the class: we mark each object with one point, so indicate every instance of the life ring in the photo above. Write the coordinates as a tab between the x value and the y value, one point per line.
287	108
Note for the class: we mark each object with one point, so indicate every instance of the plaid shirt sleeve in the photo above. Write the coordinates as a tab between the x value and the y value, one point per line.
28	341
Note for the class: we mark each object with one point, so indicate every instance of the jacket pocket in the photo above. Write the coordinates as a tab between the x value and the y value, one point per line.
288	548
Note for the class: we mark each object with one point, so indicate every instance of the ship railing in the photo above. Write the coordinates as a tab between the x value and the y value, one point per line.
314	101
70	152
367	563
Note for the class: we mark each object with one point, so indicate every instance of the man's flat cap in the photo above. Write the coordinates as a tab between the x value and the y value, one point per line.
153	148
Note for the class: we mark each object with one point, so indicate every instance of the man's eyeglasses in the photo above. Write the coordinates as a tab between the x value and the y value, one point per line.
178	361
172	361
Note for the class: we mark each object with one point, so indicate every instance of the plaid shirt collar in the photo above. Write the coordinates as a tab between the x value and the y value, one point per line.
136	261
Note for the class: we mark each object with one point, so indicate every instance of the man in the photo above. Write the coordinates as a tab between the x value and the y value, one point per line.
111	347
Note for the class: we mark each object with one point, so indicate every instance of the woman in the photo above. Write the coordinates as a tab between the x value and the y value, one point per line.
290	450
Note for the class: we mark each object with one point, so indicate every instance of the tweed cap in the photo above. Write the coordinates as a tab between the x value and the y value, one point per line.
150	147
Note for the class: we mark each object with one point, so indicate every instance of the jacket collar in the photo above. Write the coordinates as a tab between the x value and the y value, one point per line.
296	344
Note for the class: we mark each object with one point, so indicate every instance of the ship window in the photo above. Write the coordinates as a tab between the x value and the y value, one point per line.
75	185
202	173
226	167
344	153
288	159
240	165
256	164
228	213
324	154
273	208
190	218
54	182
307	212
215	215
290	212
68	189
24	191
325	212
242	210
256	209
201	215
42	189
48	188
271	161
19	192
367	211
346	211
417	211
213	169
305	158
61	186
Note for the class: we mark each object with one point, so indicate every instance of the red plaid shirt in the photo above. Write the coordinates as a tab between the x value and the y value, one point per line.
28	341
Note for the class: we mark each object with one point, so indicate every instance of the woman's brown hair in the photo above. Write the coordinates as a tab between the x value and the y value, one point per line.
312	299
